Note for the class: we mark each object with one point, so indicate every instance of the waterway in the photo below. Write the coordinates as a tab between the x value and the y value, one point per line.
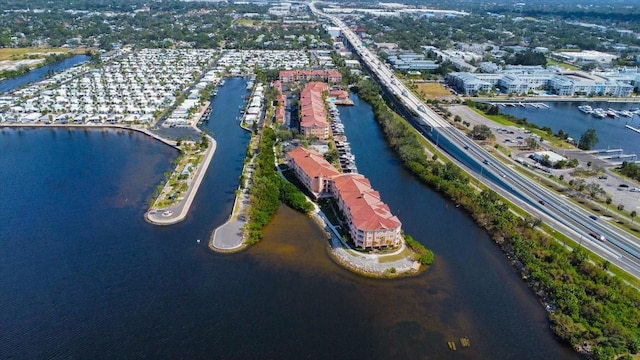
40	73
84	276
566	116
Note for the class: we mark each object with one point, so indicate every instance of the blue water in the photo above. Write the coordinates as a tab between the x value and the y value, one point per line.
83	276
566	116
40	73
495	302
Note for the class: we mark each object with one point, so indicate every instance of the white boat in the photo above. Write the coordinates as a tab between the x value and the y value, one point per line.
587	109
599	113
625	113
612	113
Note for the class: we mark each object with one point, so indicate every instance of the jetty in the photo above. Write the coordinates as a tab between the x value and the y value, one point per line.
632	128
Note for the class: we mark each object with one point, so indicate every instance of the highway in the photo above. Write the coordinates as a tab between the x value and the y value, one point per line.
619	248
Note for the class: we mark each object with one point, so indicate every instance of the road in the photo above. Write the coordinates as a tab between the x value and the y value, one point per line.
620	248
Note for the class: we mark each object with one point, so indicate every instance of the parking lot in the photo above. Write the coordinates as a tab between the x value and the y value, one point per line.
622	191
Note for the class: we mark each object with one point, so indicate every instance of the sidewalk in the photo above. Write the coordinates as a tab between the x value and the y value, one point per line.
178	212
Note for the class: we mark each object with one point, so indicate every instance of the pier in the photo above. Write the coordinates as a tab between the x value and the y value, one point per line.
618	157
604	151
537	105
632	128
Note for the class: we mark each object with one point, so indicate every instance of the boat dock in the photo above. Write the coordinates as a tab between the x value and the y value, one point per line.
603	151
632	128
537	105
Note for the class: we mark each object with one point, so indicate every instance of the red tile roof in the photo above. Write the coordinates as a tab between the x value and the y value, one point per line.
368	211
312	111
312	163
297	75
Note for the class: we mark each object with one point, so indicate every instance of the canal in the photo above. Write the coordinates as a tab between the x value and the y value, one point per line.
40	73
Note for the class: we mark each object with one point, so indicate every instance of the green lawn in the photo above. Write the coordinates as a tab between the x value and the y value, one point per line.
554	141
565	65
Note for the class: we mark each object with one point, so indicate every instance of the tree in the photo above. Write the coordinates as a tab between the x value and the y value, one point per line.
481	132
532	143
588	140
633	214
331	155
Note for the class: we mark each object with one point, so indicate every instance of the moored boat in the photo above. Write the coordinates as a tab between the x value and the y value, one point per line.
587	109
626	113
599	113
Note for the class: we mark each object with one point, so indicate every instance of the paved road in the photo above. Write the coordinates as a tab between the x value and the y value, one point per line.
498	176
619	195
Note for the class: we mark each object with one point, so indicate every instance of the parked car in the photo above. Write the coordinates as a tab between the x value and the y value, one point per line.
623	185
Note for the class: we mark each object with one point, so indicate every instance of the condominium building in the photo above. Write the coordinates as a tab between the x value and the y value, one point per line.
370	221
313	114
332	76
313	171
559	82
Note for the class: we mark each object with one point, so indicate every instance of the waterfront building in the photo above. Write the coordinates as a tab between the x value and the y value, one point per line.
313	114
313	171
548	157
370	221
469	84
332	76
521	80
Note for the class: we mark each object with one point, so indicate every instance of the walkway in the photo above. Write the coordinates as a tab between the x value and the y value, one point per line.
368	264
230	235
178	212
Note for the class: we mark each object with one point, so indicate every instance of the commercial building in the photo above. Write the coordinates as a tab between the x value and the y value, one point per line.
586	56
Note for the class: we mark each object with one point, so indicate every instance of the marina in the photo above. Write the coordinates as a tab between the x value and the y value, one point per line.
346	157
535	105
601	113
612	132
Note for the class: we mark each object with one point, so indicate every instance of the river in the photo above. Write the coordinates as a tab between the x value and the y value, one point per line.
566	116
84	276
40	73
